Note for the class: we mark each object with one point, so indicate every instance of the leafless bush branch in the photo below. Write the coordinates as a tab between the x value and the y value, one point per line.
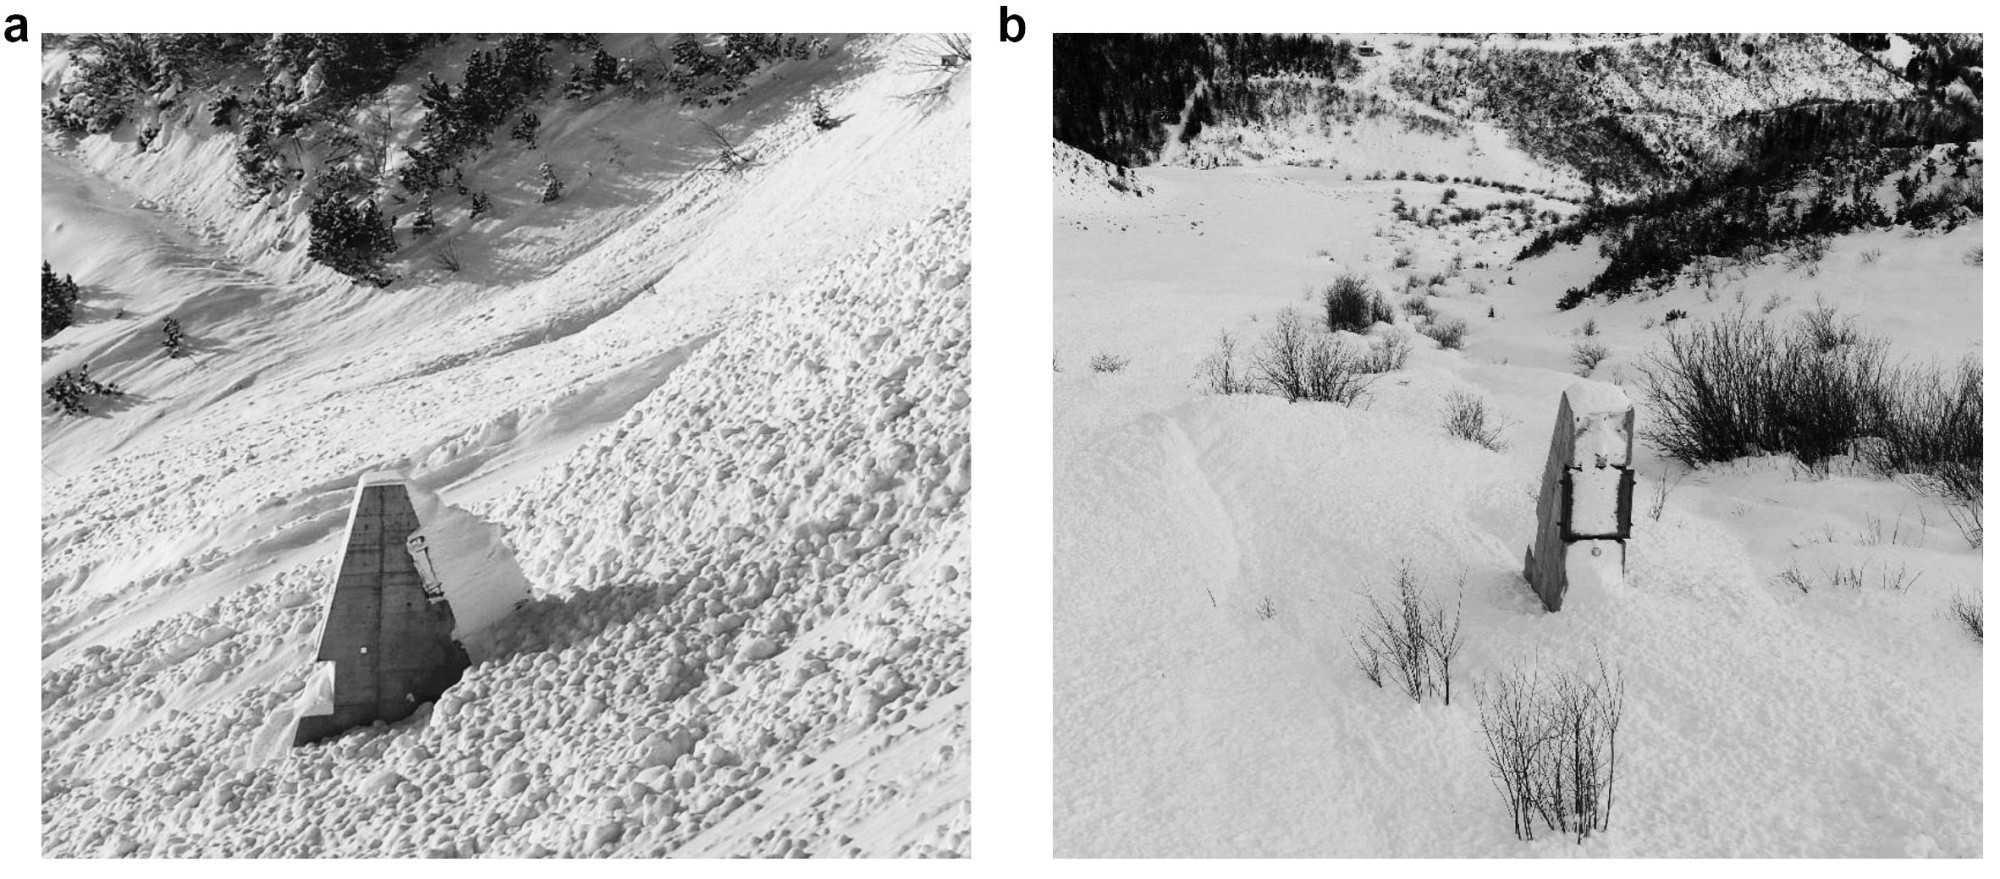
1410	637
1552	745
1466	418
1970	614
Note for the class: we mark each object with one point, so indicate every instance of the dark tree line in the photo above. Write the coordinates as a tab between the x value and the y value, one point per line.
301	112
1788	202
116	73
1116	93
458	122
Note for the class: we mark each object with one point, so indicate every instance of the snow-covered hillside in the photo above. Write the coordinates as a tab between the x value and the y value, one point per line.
1556	113
720	419
1215	553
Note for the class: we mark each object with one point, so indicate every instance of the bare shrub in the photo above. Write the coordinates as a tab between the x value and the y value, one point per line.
1932	426
728	157
1352	306
947	54
1970	614
1795	578
1826	329
1419	306
1410	637
1280	364
1334	373
1734	386
445	257
936	53
1218	372
1299	365
1552	746
1108	363
1466	418
1970	519
1976	256
1662	489
1587	355
1449	334
1897	579
1390	355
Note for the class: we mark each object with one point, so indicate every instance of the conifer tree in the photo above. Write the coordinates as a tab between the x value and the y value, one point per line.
59	298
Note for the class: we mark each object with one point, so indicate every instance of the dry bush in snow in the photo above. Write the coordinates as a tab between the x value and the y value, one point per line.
1970	614
1449	334
1297	364
1391	354
1411	638
1466	418
1218	373
1586	356
1552	746
1352	306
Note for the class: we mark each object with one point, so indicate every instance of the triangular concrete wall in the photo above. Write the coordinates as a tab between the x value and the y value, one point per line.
389	641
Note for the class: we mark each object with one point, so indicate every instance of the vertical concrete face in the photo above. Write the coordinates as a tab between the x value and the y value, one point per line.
388	639
1584	513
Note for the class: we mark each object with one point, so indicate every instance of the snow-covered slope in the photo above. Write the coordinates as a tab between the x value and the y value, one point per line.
1548	114
720	418
1214	553
1082	179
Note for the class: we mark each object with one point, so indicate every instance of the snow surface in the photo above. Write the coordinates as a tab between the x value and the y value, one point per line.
1189	722
469	559
720	421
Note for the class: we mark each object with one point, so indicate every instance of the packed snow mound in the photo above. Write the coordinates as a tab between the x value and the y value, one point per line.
469	559
1083	179
719	422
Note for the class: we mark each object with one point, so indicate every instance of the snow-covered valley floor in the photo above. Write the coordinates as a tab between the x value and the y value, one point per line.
1214	553
721	420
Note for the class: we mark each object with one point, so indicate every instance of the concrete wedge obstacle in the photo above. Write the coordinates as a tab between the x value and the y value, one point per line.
1584	513
386	644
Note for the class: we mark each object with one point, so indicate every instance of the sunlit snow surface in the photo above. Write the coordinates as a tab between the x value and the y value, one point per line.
719	419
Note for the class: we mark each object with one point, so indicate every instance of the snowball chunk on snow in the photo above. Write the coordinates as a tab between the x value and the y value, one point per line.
467	557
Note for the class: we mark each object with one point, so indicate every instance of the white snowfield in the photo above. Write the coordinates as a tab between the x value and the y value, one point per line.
1214	553
720	421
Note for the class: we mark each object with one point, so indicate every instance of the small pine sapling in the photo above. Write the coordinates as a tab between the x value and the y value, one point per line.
72	390
822	118
425	222
175	343
526	130
552	186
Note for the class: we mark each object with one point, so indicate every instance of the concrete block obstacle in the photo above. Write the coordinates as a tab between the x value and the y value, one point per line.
388	628
1584	514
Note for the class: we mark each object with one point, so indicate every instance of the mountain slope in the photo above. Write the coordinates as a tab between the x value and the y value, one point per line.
747	637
